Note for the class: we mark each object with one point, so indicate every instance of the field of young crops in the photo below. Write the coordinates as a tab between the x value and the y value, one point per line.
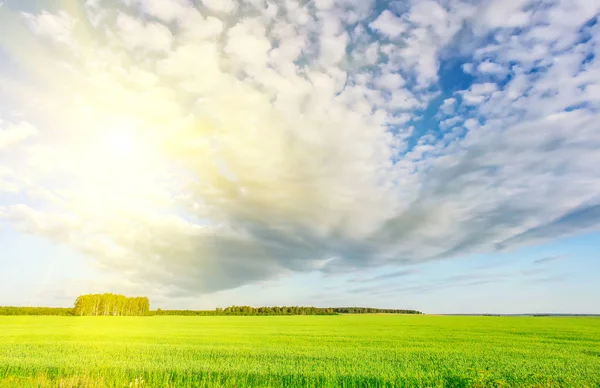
299	351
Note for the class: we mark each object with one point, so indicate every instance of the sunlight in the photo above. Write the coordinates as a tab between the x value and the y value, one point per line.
122	142
115	167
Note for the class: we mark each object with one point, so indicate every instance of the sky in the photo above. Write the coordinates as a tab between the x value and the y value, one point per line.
439	155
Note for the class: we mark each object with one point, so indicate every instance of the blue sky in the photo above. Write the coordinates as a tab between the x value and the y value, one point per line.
436	155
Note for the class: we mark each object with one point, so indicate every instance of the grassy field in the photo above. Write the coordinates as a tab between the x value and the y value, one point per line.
313	351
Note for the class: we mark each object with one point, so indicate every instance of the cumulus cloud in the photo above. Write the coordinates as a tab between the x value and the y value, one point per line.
390	81
448	105
388	24
59	26
222	6
165	10
146	36
491	68
203	146
505	14
478	93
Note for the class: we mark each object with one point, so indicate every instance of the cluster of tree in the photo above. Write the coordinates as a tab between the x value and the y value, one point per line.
277	310
111	304
9	310
184	312
283	310
248	310
370	310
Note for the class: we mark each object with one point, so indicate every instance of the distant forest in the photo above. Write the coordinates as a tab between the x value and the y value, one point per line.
285	310
120	305
59	311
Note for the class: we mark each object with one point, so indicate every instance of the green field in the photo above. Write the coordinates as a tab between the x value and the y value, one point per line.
314	351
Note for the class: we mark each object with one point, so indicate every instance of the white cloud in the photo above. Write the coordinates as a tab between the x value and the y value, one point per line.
324	4
196	28
504	14
145	36
478	93
165	10
221	6
333	43
450	123
390	81
448	105
58	27
491	68
484	88
372	53
247	44
432	28
402	99
388	24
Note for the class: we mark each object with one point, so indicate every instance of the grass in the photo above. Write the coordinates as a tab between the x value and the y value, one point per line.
302	351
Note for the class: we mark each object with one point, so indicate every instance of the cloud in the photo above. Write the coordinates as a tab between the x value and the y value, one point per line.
201	147
165	10
448	105
584	219
507	14
547	259
221	6
551	279
388	24
146	36
491	68
393	275
390	81
420	286
13	134
58	26
478	93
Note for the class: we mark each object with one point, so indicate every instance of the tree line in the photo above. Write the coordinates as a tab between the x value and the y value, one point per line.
60	311
284	310
370	310
119	305
111	305
249	310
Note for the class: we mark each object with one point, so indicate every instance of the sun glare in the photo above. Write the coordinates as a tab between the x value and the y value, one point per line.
114	167
121	142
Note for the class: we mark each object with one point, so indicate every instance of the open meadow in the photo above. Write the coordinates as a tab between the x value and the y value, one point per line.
299	351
